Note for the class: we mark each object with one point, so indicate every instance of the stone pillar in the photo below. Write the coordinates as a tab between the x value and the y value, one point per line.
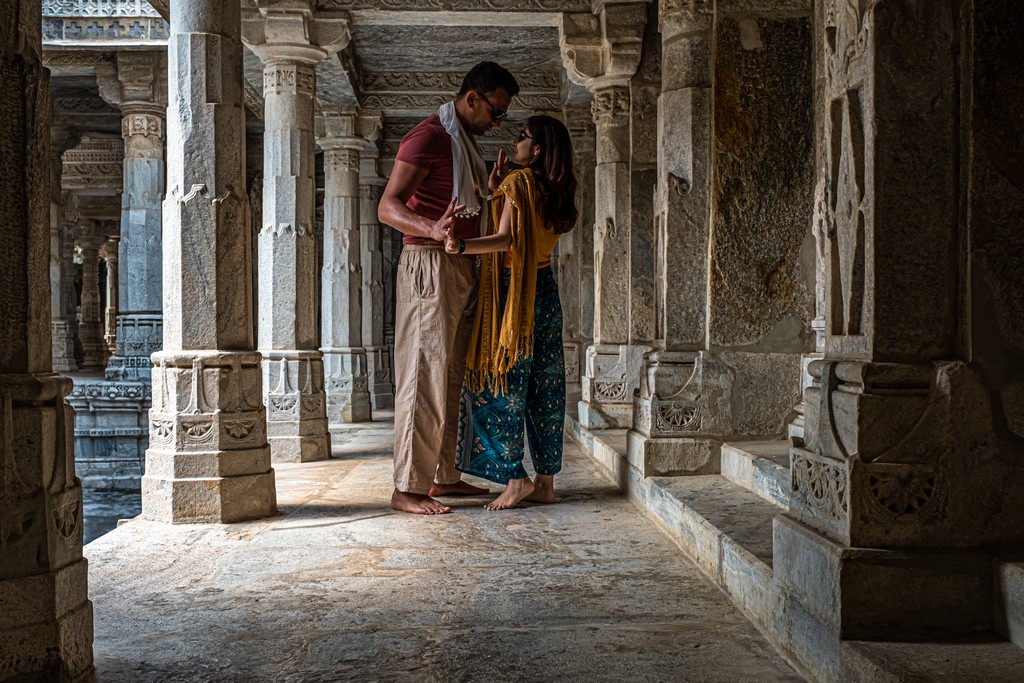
46	616
109	254
602	53
378	356
63	326
913	438
348	396
90	313
208	458
290	41
137	84
576	255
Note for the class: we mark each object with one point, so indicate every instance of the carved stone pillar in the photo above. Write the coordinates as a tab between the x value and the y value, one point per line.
576	256
136	83
63	325
109	254
378	356
290	41
602	53
208	457
348	396
906	450
46	618
90	313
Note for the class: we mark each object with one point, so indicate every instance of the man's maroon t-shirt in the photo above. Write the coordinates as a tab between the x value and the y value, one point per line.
429	146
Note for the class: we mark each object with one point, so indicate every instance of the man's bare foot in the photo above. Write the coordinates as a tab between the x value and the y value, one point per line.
459	488
515	491
417	503
543	489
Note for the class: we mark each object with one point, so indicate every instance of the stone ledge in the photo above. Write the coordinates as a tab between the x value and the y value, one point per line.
761	467
1009	599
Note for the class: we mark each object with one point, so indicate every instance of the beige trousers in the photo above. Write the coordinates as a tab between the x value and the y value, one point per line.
435	303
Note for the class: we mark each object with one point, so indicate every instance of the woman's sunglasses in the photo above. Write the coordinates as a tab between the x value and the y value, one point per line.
523	136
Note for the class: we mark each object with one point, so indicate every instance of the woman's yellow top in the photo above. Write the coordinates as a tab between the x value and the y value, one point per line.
499	339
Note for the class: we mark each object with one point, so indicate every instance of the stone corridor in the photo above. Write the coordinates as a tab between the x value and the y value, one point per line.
340	587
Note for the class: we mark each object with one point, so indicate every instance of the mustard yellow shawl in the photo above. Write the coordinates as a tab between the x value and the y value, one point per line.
500	339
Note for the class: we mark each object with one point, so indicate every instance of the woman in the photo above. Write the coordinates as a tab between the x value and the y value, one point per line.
515	370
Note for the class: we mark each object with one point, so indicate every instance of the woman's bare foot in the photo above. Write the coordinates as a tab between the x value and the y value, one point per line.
515	491
543	489
459	488
417	504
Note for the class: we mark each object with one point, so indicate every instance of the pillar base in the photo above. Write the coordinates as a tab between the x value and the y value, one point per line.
208	499
63	336
347	380
672	457
382	391
612	379
296	406
873	594
46	626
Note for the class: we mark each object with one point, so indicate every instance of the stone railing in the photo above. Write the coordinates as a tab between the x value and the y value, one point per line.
98	8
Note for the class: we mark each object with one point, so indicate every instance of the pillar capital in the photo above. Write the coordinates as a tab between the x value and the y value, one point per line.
291	31
135	77
606	43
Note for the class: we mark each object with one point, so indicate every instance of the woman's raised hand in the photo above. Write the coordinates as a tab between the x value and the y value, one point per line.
451	245
498	172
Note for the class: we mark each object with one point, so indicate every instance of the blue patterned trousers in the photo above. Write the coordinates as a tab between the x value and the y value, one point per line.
490	441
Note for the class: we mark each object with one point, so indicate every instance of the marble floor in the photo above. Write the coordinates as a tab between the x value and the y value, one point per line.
341	588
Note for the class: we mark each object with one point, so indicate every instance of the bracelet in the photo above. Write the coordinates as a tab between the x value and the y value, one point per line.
462	246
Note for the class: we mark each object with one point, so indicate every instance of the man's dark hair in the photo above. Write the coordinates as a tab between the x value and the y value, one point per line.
486	77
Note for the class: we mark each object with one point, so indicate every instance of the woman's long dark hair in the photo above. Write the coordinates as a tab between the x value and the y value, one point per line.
554	172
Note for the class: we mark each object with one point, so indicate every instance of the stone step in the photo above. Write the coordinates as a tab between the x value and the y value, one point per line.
982	657
1009	594
761	467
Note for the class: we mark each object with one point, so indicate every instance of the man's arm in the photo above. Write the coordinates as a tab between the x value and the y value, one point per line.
392	210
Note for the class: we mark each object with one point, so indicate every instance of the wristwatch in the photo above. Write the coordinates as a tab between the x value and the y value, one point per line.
462	246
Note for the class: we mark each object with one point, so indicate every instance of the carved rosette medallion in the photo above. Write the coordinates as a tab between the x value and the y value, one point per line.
675	417
610	392
901	493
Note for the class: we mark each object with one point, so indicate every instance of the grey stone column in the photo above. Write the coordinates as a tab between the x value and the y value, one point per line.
341	309
914	434
208	457
46	619
136	84
64	327
290	41
90	313
576	256
371	184
602	53
109	254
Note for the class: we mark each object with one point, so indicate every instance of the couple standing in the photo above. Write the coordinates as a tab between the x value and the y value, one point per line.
477	355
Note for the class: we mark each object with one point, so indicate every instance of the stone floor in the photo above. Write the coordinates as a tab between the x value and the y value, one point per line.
341	588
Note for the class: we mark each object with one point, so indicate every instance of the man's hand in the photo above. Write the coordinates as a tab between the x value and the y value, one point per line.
498	172
443	225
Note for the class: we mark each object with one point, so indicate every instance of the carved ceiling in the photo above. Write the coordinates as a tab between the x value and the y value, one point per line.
405	58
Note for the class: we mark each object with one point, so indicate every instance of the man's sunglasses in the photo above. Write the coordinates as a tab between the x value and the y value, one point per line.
496	114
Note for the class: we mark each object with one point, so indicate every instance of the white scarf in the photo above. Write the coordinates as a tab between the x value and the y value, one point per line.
469	172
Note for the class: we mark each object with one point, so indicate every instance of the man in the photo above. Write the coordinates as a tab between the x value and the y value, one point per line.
439	182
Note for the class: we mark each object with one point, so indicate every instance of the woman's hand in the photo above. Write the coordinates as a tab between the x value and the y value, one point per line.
498	172
443	225
451	245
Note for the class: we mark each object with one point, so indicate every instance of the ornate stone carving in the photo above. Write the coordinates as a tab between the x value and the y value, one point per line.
77	59
464	5
98	8
420	102
448	82
96	162
822	483
902	493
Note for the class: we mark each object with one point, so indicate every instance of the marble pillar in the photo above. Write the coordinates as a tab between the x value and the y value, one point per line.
109	254
341	309
576	256
378	356
208	458
90	313
46	617
907	450
290	40
601	52
63	325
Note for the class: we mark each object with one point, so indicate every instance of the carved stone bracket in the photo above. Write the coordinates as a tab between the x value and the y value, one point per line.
607	45
283	30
